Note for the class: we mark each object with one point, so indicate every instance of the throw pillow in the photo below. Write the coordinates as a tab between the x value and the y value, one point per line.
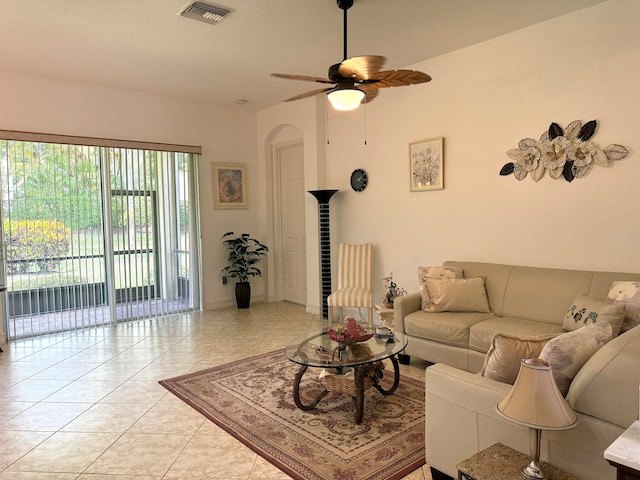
457	295
586	311
435	272
567	353
627	294
502	362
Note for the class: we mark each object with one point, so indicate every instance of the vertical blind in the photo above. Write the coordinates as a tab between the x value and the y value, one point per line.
96	231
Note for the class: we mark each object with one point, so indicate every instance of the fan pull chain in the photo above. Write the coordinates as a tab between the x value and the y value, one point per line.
326	124
365	120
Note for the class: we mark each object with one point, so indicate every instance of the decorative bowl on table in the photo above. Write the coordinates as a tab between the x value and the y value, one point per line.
349	333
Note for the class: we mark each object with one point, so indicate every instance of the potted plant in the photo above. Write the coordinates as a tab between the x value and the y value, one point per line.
244	255
392	290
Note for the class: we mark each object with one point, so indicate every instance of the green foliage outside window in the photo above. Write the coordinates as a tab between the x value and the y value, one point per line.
35	242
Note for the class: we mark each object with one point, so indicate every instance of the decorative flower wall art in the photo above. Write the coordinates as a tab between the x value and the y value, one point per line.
567	153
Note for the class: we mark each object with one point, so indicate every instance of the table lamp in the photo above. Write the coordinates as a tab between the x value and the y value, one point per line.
535	402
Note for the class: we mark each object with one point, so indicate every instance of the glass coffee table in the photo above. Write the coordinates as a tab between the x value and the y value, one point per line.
318	350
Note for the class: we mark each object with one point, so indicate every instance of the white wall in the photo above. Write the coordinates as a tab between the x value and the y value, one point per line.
43	105
483	100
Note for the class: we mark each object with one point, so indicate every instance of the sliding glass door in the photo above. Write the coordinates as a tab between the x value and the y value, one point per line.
96	235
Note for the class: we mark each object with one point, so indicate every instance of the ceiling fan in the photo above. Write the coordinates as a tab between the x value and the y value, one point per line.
356	80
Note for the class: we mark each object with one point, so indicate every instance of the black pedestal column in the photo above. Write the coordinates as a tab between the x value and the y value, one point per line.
323	197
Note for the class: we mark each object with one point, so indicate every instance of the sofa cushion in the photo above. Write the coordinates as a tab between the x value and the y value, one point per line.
586	310
567	353
496	279
543	294
457	295
606	387
628	294
435	272
481	333
450	328
502	362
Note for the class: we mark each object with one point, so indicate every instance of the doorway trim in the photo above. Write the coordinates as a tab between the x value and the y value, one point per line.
276	149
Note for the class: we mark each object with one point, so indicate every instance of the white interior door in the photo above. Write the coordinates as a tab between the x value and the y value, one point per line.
294	259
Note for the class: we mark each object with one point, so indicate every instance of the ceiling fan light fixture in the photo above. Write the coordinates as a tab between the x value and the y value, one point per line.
345	99
365	71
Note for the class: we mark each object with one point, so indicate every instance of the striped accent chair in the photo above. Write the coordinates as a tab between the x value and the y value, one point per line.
355	279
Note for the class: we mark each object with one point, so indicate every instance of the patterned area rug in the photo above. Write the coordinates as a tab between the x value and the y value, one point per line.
252	399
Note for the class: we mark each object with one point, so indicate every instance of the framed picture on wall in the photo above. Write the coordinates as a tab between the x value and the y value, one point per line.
426	159
229	185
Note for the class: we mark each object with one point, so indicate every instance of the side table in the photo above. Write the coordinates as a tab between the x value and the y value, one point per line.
624	453
386	315
499	462
386	319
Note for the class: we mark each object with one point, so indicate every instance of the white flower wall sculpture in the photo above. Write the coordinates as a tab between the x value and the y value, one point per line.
564	154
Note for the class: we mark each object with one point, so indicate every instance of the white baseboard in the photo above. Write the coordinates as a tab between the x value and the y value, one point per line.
314	309
230	302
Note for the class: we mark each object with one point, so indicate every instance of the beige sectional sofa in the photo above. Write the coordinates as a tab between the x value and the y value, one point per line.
460	403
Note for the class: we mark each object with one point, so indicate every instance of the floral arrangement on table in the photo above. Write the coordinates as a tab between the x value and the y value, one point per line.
564	153
349	333
392	290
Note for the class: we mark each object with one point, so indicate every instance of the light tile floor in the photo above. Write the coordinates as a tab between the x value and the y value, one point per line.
87	405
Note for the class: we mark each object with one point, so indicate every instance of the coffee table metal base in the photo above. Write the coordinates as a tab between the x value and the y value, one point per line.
359	377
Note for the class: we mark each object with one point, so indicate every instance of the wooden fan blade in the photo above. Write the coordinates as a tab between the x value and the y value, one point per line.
361	68
399	78
370	91
306	78
310	94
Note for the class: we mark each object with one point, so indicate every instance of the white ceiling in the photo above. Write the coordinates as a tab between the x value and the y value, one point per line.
143	45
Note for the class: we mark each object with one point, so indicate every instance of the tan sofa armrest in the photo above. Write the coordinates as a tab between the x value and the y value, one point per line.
459	406
469	390
404	305
461	420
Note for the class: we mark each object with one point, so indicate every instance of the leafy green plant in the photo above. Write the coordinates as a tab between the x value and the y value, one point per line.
244	253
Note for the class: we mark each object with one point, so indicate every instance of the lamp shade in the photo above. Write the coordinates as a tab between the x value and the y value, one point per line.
535	401
346	98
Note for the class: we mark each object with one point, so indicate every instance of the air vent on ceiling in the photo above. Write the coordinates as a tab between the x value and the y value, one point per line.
204	12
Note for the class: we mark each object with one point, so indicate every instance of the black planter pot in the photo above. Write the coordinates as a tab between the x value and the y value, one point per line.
243	294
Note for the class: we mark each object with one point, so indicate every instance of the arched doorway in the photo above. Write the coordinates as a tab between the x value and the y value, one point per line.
287	159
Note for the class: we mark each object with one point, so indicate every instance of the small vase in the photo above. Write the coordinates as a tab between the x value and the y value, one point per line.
340	351
388	302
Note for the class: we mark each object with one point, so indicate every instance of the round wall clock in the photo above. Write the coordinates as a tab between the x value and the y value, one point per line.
359	180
